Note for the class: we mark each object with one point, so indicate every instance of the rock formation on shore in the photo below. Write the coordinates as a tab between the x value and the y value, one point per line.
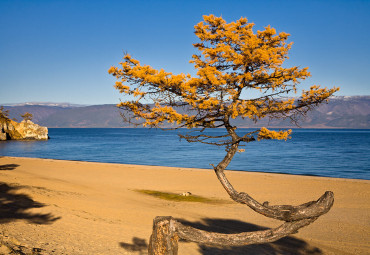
25	130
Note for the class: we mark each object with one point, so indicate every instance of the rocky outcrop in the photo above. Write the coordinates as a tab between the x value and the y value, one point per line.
25	130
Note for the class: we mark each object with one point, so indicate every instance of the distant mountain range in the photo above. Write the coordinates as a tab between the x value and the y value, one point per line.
340	112
63	105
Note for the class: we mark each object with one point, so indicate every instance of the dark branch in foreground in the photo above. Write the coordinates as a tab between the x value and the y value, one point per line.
167	231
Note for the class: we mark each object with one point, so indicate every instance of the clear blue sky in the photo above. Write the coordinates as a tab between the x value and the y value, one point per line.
60	51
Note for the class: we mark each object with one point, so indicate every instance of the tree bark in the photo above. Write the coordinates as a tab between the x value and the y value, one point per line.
246	238
164	239
285	213
280	212
167	231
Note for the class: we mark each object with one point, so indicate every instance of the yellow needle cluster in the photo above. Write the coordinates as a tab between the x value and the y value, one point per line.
232	60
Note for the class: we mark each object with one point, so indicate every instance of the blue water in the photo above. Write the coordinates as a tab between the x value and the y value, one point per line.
332	153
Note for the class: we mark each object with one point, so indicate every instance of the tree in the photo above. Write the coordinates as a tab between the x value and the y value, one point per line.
233	62
4	114
27	116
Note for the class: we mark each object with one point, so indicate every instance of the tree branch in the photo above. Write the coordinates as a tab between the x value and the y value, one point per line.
210	238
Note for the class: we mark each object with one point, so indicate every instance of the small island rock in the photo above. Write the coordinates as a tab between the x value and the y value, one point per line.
25	130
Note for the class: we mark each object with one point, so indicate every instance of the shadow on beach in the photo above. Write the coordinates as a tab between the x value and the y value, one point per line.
8	167
288	245
138	245
14	206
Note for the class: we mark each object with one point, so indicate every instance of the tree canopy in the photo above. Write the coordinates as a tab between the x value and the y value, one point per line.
27	116
233	61
4	114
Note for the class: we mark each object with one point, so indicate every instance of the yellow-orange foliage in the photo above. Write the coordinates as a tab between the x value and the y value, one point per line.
233	60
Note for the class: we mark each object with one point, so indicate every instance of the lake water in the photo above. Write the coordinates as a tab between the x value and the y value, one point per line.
323	152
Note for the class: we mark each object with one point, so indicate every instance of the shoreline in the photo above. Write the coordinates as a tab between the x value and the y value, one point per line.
194	168
275	127
79	207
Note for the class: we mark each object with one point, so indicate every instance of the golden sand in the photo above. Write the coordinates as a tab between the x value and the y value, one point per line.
71	207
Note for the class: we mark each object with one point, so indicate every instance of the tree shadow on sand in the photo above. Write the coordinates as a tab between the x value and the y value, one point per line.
138	245
287	246
14	206
8	167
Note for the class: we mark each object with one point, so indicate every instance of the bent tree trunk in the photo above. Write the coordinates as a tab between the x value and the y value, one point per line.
167	231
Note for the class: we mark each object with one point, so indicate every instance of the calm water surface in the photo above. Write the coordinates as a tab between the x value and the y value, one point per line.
332	153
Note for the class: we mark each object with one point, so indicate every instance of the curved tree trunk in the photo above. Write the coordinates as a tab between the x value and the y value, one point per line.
255	237
280	212
167	231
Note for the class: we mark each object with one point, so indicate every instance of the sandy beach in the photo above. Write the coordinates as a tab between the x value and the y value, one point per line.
71	207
